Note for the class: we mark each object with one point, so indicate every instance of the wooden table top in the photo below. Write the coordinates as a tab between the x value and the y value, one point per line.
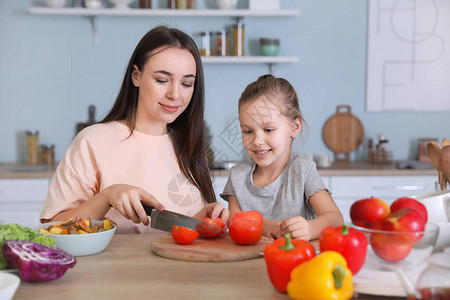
128	269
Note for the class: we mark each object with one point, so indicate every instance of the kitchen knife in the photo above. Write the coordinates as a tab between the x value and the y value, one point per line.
165	219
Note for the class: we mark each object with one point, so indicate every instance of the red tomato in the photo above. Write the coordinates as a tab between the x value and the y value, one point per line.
246	227
249	215
217	222
183	235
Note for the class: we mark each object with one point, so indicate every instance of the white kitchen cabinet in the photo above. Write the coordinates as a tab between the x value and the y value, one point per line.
21	200
347	189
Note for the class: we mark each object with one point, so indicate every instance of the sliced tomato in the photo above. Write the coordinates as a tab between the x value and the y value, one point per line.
183	235
217	222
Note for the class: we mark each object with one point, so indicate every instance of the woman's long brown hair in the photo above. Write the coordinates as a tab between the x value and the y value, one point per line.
186	131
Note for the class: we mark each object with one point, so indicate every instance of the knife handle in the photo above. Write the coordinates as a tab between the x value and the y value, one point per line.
148	209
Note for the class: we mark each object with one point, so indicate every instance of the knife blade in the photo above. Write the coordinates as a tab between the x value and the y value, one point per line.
165	219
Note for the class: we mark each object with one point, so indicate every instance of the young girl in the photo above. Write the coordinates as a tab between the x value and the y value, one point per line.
149	148
285	188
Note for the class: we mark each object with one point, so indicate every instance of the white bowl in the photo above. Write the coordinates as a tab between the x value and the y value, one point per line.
8	285
121	4
55	3
226	4
93	4
82	244
437	204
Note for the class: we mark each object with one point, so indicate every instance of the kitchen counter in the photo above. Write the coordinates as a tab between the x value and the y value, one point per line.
15	170
128	269
359	168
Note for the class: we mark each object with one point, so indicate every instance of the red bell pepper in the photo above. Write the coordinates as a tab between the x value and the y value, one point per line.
348	241
282	256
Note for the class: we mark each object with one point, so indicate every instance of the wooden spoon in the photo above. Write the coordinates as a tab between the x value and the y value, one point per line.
444	164
433	151
445	142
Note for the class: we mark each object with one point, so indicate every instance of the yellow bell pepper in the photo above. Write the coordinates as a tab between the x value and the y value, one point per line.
325	276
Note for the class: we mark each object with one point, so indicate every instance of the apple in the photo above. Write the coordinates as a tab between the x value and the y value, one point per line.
369	213
388	249
406	202
407	222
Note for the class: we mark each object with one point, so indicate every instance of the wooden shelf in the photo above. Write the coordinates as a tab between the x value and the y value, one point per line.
250	59
75	11
237	13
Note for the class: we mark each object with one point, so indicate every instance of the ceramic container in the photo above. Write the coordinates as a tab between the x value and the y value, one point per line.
55	3
269	46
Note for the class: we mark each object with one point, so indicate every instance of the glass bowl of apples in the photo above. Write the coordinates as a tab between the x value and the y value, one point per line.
398	249
397	234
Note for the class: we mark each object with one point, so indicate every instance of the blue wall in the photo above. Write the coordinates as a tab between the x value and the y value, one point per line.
50	72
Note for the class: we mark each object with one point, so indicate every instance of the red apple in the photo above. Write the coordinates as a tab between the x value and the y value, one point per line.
406	202
369	213
407	222
387	249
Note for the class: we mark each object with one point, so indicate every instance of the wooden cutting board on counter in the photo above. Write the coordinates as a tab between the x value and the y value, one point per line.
343	132
91	119
220	249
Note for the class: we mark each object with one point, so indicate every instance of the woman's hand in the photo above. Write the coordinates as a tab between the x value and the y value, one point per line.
214	210
298	227
127	200
271	229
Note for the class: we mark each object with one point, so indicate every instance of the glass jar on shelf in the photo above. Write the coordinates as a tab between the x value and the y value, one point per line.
206	43
222	43
48	154
33	147
238	39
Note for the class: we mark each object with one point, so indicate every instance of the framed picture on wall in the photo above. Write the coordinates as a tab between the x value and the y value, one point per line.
408	55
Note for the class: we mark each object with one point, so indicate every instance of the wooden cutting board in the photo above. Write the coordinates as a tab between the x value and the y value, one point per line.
91	119
343	133
220	249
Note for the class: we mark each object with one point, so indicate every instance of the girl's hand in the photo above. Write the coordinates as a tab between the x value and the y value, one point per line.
214	210
298	227
271	229
127	200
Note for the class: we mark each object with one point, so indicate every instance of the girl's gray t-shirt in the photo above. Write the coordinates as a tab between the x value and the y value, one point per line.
286	197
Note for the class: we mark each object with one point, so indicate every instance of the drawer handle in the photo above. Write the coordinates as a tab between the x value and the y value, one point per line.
401	187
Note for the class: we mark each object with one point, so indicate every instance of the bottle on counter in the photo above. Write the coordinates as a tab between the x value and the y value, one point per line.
33	147
238	39
48	154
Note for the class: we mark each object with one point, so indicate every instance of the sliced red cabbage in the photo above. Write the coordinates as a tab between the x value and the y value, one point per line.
37	262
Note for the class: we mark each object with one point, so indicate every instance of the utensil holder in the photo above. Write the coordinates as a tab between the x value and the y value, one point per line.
380	157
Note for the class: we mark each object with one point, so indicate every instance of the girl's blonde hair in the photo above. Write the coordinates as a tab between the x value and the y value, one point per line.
279	88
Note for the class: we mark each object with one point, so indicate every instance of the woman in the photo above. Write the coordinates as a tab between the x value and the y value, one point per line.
149	148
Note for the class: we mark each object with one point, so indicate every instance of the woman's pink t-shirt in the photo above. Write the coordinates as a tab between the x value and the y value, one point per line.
102	155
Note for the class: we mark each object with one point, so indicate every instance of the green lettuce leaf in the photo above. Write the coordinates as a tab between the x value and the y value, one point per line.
17	232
